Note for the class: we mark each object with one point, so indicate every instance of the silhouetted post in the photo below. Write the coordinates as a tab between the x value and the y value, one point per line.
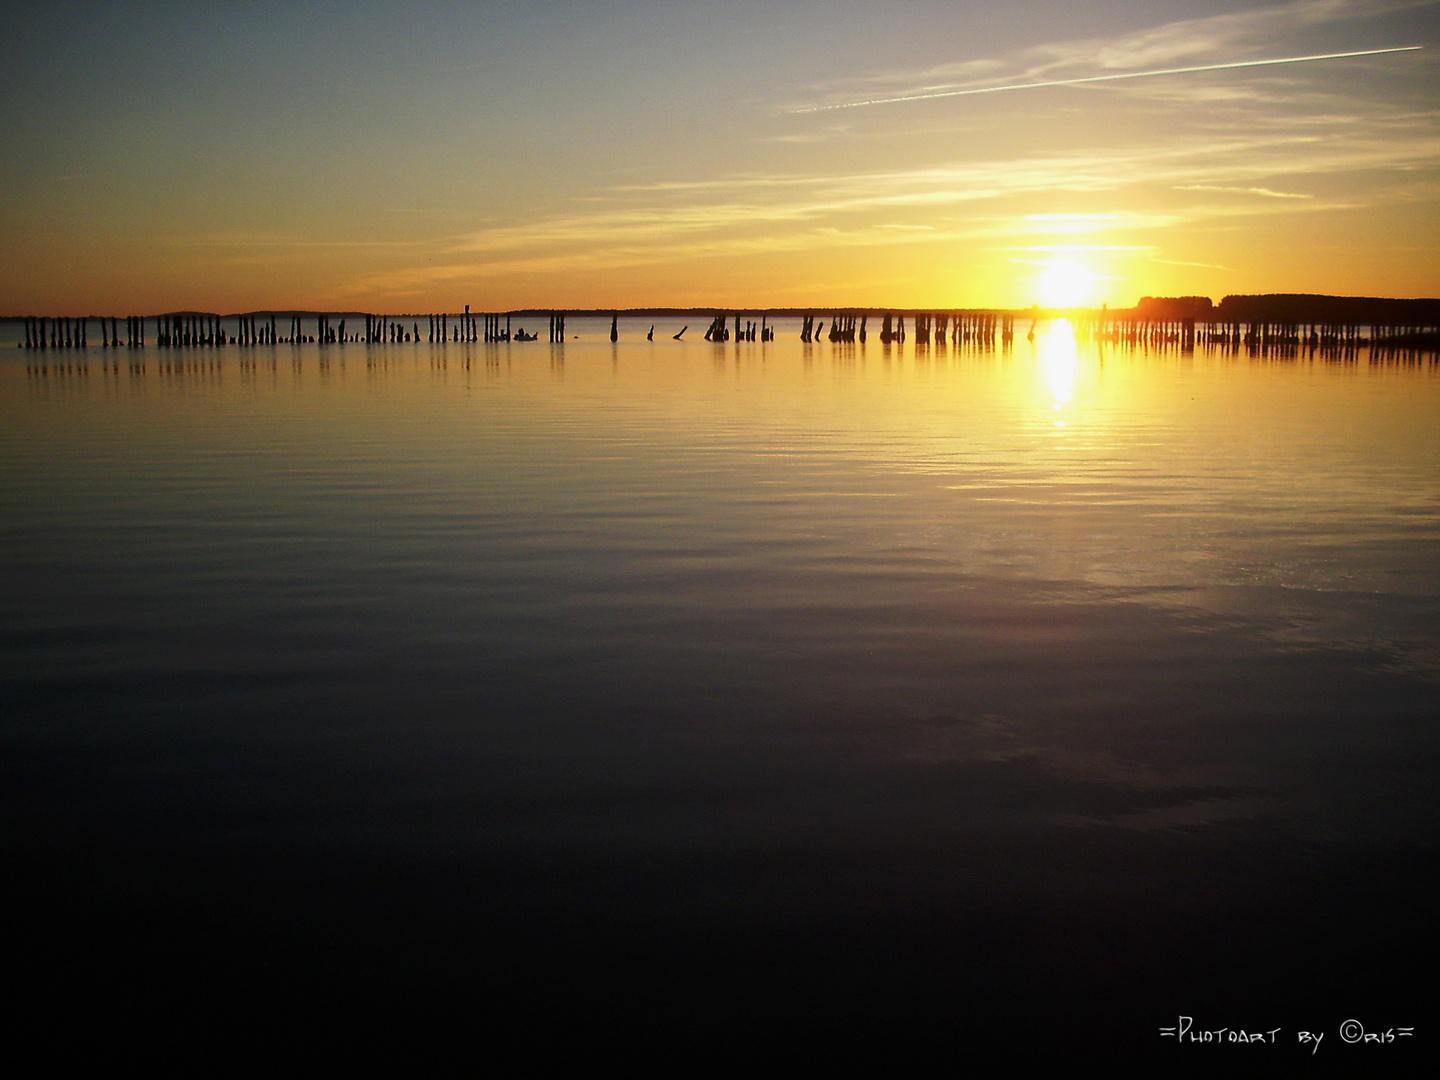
614	327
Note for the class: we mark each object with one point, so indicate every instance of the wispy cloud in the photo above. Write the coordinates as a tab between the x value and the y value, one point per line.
671	211
754	215
1266	192
1213	43
998	88
1201	265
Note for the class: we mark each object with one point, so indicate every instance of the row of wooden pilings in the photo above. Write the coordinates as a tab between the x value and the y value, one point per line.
465	328
745	329
210	331
960	328
64	333
854	326
980	328
1188	333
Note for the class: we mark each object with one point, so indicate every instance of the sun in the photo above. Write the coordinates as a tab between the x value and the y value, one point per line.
1065	283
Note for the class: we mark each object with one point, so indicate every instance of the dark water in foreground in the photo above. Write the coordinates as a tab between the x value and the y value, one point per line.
719	702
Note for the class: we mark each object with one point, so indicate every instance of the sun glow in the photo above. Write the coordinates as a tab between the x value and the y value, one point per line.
1065	283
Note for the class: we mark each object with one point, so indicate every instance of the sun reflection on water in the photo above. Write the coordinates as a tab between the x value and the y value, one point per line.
1059	362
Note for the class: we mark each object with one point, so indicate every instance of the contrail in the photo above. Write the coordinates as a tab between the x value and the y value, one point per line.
1107	78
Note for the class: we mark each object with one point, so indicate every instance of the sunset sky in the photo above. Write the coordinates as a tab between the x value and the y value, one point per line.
416	157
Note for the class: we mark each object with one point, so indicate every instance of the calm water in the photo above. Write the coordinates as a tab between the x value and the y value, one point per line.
720	700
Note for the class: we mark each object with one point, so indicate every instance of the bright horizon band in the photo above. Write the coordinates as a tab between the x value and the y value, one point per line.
1107	78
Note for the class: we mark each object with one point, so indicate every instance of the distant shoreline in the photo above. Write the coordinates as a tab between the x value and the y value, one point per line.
1266	307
